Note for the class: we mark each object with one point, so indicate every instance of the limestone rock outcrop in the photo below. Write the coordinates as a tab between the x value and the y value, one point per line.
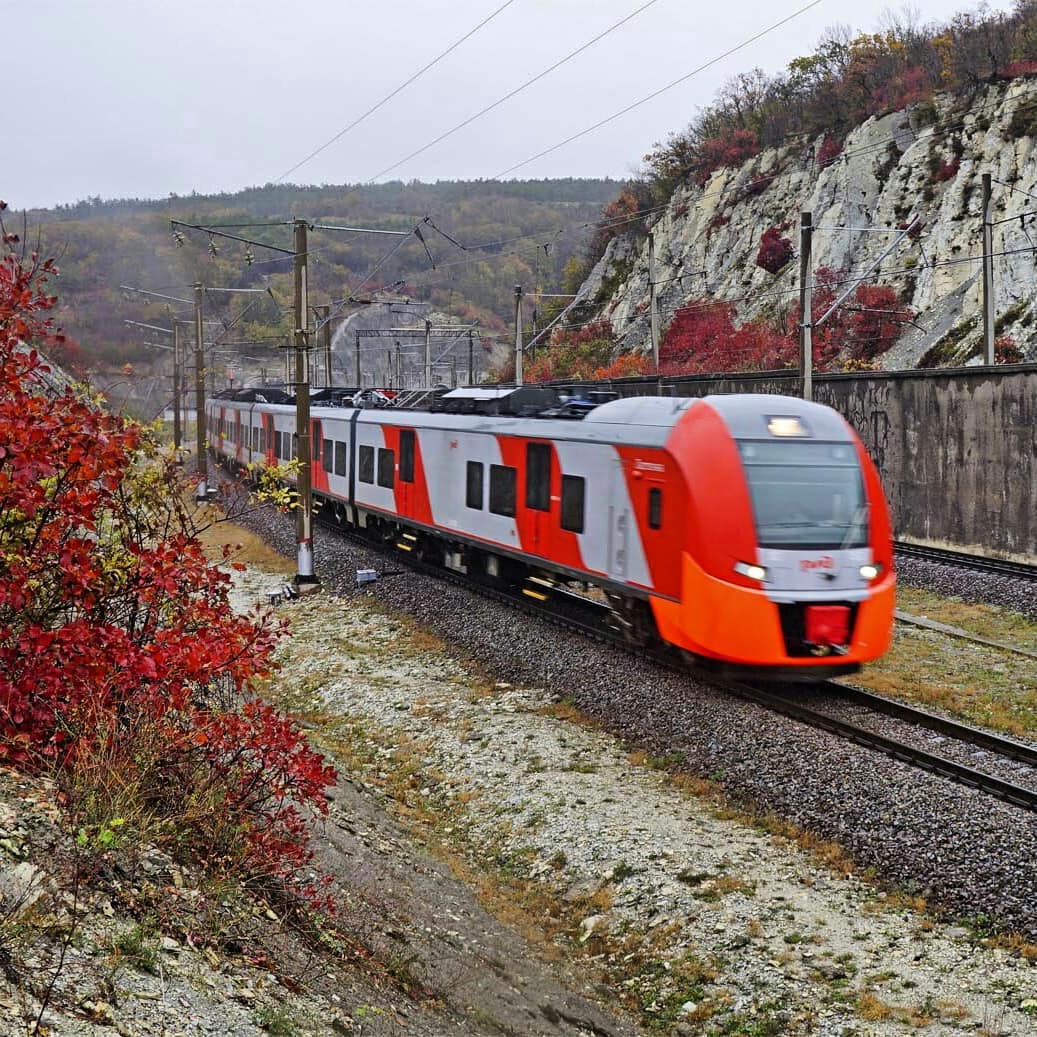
925	161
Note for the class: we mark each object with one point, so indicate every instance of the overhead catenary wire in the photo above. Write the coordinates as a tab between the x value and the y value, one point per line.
517	90
661	90
388	97
728	190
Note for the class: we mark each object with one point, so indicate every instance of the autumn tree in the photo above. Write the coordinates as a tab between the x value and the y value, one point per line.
124	671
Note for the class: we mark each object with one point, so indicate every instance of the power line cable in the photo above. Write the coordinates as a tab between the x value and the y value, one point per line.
388	97
661	90
528	83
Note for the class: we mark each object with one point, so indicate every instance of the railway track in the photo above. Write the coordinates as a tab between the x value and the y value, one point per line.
964	560
797	709
590	618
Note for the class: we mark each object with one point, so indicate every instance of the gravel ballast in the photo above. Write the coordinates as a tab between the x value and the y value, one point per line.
961	850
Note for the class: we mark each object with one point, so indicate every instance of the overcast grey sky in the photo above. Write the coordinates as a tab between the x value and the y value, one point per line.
140	98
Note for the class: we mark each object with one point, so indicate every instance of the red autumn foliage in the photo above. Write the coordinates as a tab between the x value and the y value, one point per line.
1020	68
732	149
120	653
1007	351
865	325
573	353
703	337
905	87
947	170
831	148
775	251
617	217
627	365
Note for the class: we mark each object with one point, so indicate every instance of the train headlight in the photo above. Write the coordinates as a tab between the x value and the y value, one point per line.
786	425
871	571
754	572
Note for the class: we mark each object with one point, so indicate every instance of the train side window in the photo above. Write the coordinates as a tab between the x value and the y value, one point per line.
340	458
277	443
328	455
473	485
538	476
366	466
655	508
255	439
386	466
295	445
406	456
502	489
573	487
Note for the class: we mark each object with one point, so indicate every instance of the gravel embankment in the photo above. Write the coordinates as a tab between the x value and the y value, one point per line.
975	587
958	848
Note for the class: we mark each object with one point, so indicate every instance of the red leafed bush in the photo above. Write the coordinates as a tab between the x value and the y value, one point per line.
1020	68
947	170
573	353
831	148
775	251
1007	351
123	668
732	149
904	88
703	337
865	325
627	365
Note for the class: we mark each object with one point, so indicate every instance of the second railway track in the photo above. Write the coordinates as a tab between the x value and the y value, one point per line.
964	560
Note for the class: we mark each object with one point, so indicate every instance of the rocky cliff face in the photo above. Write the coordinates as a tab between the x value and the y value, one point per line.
927	160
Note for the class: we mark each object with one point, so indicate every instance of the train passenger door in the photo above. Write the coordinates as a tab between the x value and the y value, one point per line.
538	496
619	519
405	470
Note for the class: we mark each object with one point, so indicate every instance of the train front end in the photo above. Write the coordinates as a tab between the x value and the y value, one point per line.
788	561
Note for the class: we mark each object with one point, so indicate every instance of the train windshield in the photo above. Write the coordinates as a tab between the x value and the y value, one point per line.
805	495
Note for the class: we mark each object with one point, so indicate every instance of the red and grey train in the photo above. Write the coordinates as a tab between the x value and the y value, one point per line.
749	532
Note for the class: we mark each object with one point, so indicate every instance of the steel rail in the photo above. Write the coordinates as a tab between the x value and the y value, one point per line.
1017	795
1000	744
962	559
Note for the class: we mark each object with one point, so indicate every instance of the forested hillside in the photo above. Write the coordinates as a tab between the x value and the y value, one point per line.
531	228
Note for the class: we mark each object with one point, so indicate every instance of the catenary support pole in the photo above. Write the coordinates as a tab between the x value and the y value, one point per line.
428	354
653	301
325	316
471	359
357	360
989	318
806	337
518	334
202	489
177	387
304	513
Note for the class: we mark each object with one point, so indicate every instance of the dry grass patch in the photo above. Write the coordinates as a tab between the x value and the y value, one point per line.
987	621
246	547
872	1008
977	684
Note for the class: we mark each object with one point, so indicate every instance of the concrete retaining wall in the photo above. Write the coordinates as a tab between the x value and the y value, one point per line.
957	448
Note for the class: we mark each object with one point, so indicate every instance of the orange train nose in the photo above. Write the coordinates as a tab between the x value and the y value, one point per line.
827	624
